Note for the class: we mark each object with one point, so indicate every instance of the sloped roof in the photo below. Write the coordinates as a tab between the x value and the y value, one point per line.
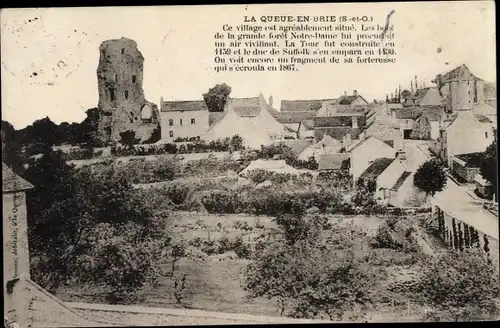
245	107
376	168
12	182
327	141
308	124
472	159
484	109
461	73
419	95
401	180
433	114
408	113
365	140
296	146
301	105
331	161
293	116
347	100
481	118
188	105
329	109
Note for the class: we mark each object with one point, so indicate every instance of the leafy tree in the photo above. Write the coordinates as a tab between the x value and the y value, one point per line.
276	151
92	228
461	285
8	132
44	131
422	129
430	177
489	166
128	138
88	131
216	97
290	268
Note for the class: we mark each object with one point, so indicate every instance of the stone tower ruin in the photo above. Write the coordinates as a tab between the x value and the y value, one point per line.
121	97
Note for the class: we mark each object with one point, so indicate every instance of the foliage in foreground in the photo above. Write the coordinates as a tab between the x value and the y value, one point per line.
92	229
291	268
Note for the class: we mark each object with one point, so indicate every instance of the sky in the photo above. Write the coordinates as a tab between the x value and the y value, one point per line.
50	56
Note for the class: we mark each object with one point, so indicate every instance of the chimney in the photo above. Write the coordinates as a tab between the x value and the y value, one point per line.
362	136
401	155
416	84
345	93
355	93
270	101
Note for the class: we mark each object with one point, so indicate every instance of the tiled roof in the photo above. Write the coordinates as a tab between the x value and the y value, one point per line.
481	118
401	180
365	140
297	146
408	113
195	105
344	110
12	182
331	161
308	124
433	114
293	116
461	73
376	168
301	105
245	107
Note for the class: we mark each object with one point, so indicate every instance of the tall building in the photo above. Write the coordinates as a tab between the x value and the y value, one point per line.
121	97
460	88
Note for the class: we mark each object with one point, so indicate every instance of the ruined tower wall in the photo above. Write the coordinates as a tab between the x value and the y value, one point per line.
121	96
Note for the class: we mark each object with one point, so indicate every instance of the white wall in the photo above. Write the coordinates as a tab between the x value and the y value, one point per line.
363	155
187	129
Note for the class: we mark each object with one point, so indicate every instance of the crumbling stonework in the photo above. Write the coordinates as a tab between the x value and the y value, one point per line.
121	97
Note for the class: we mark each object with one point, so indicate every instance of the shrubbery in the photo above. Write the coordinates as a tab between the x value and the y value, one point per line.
398	234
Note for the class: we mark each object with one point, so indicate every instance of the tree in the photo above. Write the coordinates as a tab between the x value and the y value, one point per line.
92	228
8	132
430	177
128	138
488	166
461	285
290	268
216	97
422	129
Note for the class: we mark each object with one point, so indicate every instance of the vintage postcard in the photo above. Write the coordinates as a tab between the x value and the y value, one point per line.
250	164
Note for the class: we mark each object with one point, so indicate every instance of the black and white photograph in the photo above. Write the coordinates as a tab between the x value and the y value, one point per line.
250	164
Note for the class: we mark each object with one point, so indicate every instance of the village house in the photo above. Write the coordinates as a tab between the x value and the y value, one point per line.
251	119
351	100
463	133
425	97
326	145
340	120
460	88
333	161
366	152
183	119
394	182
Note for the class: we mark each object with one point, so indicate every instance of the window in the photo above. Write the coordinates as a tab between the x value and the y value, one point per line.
123	51
193	121
126	94
112	94
171	122
171	133
180	121
133	78
486	135
116	78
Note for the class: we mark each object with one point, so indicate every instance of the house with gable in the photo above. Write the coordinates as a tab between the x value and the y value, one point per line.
464	133
251	119
366	152
326	145
183	119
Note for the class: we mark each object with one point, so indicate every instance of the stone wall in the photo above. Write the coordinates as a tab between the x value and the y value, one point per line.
461	169
121	96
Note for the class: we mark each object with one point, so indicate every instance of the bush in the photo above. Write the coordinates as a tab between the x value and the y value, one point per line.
396	234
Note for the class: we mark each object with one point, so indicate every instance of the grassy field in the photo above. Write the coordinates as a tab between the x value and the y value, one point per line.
214	282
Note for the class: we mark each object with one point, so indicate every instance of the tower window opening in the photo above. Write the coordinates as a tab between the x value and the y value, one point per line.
116	78
123	51
126	94
112	94
133	78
